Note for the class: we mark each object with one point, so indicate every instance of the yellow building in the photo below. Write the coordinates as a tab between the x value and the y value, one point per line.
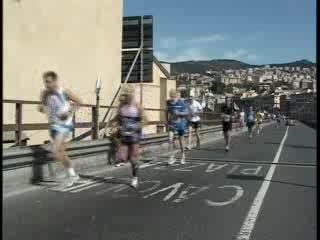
77	39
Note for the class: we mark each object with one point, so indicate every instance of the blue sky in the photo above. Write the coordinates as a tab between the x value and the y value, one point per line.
253	31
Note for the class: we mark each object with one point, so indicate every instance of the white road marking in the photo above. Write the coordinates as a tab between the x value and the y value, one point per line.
239	193
115	187
185	195
175	187
214	167
248	225
64	189
90	186
193	165
155	182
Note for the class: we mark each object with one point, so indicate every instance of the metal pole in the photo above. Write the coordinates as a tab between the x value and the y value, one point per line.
97	127
141	60
18	131
94	121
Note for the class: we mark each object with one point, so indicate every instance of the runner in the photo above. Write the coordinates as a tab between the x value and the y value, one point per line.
242	117
116	139
59	104
131	118
250	121
226	116
259	118
278	119
177	123
195	108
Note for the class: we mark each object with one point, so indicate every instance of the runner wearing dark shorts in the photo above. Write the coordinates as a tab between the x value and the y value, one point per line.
130	118
195	109
226	115
250	117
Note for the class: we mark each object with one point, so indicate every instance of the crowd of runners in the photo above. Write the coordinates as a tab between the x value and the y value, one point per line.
125	128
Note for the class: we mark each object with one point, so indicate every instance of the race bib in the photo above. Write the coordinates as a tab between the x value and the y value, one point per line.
226	118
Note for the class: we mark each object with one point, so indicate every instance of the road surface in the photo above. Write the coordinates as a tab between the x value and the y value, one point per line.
204	199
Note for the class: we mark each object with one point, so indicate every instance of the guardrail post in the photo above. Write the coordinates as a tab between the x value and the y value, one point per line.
95	126
18	132
74	126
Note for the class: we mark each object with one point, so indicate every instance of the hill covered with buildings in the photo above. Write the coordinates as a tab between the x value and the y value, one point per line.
226	64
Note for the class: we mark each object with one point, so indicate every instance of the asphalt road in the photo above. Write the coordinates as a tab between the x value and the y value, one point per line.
204	199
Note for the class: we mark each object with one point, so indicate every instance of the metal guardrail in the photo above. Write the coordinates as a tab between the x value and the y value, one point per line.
209	118
26	156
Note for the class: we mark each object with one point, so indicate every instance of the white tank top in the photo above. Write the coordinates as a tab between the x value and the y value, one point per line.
57	104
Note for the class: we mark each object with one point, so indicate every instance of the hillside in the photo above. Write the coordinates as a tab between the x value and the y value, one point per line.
224	64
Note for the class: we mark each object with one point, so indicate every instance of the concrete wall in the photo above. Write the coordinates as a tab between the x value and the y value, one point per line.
76	38
153	96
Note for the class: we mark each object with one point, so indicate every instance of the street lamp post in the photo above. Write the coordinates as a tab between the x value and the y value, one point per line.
96	119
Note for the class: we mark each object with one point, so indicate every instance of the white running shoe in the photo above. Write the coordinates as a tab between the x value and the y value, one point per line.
134	182
119	164
70	181
183	159
227	148
172	160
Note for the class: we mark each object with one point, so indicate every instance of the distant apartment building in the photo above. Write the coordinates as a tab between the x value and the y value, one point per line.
306	84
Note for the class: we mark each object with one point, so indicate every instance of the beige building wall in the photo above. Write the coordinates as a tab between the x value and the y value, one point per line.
76	38
154	95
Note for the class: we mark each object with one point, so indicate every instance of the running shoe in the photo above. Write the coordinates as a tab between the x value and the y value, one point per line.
69	181
183	159
119	164
227	148
134	182
172	160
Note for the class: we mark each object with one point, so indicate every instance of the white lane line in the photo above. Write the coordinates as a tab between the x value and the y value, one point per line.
249	222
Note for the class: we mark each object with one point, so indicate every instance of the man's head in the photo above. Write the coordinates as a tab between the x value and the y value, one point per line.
127	94
250	108
191	99
173	94
50	80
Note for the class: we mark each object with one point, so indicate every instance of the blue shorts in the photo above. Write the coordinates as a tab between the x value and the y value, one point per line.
65	130
181	132
178	127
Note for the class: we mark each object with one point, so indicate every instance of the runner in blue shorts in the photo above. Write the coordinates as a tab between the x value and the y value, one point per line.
177	123
59	104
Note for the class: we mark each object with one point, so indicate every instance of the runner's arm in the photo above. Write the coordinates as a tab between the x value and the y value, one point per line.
74	98
41	106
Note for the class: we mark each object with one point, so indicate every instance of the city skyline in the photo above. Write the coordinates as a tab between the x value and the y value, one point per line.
251	32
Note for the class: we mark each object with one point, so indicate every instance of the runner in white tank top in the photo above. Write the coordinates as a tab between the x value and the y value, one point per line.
55	101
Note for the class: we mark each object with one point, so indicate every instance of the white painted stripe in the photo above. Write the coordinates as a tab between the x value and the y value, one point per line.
97	182
87	187
249	222
64	189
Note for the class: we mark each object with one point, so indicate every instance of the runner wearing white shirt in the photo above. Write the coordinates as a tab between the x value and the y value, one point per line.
195	108
242	116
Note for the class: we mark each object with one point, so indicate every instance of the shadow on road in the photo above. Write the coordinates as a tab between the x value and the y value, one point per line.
261	178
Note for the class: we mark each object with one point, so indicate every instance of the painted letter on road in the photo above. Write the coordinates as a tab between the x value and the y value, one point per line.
237	195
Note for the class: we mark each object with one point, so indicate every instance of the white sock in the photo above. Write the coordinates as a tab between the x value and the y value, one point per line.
71	172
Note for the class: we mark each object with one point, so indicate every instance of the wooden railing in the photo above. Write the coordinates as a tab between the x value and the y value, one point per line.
18	127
